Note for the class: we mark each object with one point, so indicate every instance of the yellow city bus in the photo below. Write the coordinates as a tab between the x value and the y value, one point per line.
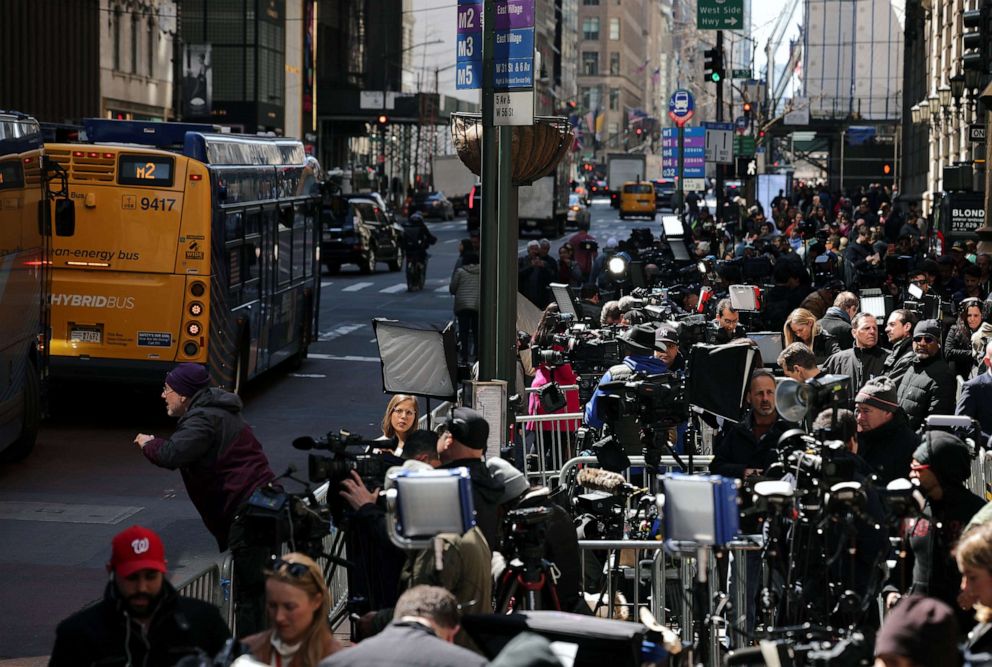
24	241
189	246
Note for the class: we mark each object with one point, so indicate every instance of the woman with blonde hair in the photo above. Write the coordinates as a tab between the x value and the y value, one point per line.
801	327
399	421
298	604
973	554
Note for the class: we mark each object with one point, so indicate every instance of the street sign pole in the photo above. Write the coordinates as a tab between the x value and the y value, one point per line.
718	213
681	107
681	184
488	219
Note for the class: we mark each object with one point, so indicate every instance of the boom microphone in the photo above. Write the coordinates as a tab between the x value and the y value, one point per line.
598	479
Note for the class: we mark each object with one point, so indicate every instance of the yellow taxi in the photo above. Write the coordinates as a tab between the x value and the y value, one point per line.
637	198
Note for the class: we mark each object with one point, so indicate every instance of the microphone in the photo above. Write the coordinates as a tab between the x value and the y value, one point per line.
598	479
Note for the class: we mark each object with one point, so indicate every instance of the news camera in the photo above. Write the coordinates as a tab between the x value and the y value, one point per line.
655	400
349	451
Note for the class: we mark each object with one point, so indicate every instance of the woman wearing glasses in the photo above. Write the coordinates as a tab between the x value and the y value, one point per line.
298	604
957	345
399	421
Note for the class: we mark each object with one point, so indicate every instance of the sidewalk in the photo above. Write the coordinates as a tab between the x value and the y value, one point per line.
39	661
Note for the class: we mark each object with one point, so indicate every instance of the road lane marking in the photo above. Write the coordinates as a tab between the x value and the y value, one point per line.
393	289
356	287
307	375
339	357
327	283
65	513
337	332
451	241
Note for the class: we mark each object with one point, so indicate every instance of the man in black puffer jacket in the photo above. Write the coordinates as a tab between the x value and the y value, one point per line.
141	619
863	361
928	386
885	440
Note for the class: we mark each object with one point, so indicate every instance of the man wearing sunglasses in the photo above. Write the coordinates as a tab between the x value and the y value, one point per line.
928	386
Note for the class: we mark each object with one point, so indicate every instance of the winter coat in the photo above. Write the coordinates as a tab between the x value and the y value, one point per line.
957	350
860	364
564	376
261	648
824	346
645	364
465	286
975	401
407	643
927	388
486	494
899	360
220	459
105	634
837	323
889	448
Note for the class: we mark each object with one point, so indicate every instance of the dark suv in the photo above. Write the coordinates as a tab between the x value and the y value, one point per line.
356	231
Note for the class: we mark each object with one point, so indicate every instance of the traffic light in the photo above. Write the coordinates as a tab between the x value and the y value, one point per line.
382	120
713	64
886	168
747	110
639	131
976	39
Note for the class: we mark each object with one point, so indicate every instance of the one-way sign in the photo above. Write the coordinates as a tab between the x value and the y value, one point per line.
976	133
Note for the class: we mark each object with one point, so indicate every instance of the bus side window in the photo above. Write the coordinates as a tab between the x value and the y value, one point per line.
249	267
285	231
299	243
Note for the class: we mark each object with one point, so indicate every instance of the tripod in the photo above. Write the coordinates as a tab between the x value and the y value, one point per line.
529	579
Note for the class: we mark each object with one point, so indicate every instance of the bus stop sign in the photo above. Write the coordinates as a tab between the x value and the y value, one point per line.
681	107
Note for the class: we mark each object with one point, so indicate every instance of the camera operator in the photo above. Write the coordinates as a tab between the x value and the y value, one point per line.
942	464
863	361
899	329
837	320
610	315
726	327
928	386
643	355
462	446
561	546
798	363
885	439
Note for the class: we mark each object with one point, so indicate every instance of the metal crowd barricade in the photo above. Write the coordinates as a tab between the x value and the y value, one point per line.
699	464
205	586
430	420
337	584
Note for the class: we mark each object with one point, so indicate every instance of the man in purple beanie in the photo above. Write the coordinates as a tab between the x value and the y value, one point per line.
222	464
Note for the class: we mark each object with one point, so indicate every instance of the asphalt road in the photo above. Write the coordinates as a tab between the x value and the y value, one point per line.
86	481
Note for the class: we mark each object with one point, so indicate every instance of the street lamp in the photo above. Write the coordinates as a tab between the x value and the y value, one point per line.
957	88
934	104
916	112
944	96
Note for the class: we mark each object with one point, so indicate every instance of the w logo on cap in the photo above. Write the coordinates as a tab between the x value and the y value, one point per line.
140	546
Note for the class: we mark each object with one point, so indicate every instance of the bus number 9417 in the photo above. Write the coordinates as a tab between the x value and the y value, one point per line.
157	203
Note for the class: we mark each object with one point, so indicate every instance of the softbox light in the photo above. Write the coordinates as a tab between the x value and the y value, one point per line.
732	363
563	297
417	359
769	344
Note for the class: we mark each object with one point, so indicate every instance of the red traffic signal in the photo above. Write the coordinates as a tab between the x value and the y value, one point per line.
747	108
383	119
886	168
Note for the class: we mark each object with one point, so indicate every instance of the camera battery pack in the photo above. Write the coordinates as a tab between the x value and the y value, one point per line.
701	509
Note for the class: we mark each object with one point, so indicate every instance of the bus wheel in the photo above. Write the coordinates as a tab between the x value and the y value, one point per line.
20	448
369	261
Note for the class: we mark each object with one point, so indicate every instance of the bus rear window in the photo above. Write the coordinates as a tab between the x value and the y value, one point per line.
151	170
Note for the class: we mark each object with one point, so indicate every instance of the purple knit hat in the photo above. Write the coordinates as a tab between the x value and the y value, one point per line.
187	379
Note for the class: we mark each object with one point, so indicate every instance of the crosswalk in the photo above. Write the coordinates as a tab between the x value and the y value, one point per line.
436	285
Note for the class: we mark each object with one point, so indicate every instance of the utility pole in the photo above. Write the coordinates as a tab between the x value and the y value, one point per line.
718	214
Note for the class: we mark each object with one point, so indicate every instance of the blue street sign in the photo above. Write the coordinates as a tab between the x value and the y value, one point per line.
468	74
514	44
514	73
740	122
468	53
681	106
718	126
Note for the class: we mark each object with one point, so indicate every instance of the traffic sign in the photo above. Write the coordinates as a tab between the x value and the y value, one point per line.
468	49
719	142
681	106
976	133
741	74
694	144
720	14
744	146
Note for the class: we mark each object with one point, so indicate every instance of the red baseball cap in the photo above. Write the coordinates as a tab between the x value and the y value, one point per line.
136	548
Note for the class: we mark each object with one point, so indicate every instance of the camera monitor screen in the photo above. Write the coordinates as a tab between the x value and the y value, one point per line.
679	251
563	297
672	227
769	344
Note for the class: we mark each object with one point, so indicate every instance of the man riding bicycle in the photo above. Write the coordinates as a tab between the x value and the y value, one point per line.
416	240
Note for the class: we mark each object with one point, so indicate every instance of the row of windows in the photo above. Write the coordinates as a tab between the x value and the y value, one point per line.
283	240
590	63
590	28
590	98
140	22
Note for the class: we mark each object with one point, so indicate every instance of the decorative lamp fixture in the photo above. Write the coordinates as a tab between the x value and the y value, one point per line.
944	95
972	80
957	88
934	104
916	112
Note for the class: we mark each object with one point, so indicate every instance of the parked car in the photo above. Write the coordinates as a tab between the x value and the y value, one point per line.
355	230
578	212
432	205
664	190
597	188
378	199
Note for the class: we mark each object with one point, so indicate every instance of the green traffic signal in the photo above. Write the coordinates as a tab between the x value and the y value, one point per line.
715	77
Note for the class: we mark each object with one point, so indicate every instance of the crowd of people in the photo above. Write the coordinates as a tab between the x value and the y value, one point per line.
928	351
